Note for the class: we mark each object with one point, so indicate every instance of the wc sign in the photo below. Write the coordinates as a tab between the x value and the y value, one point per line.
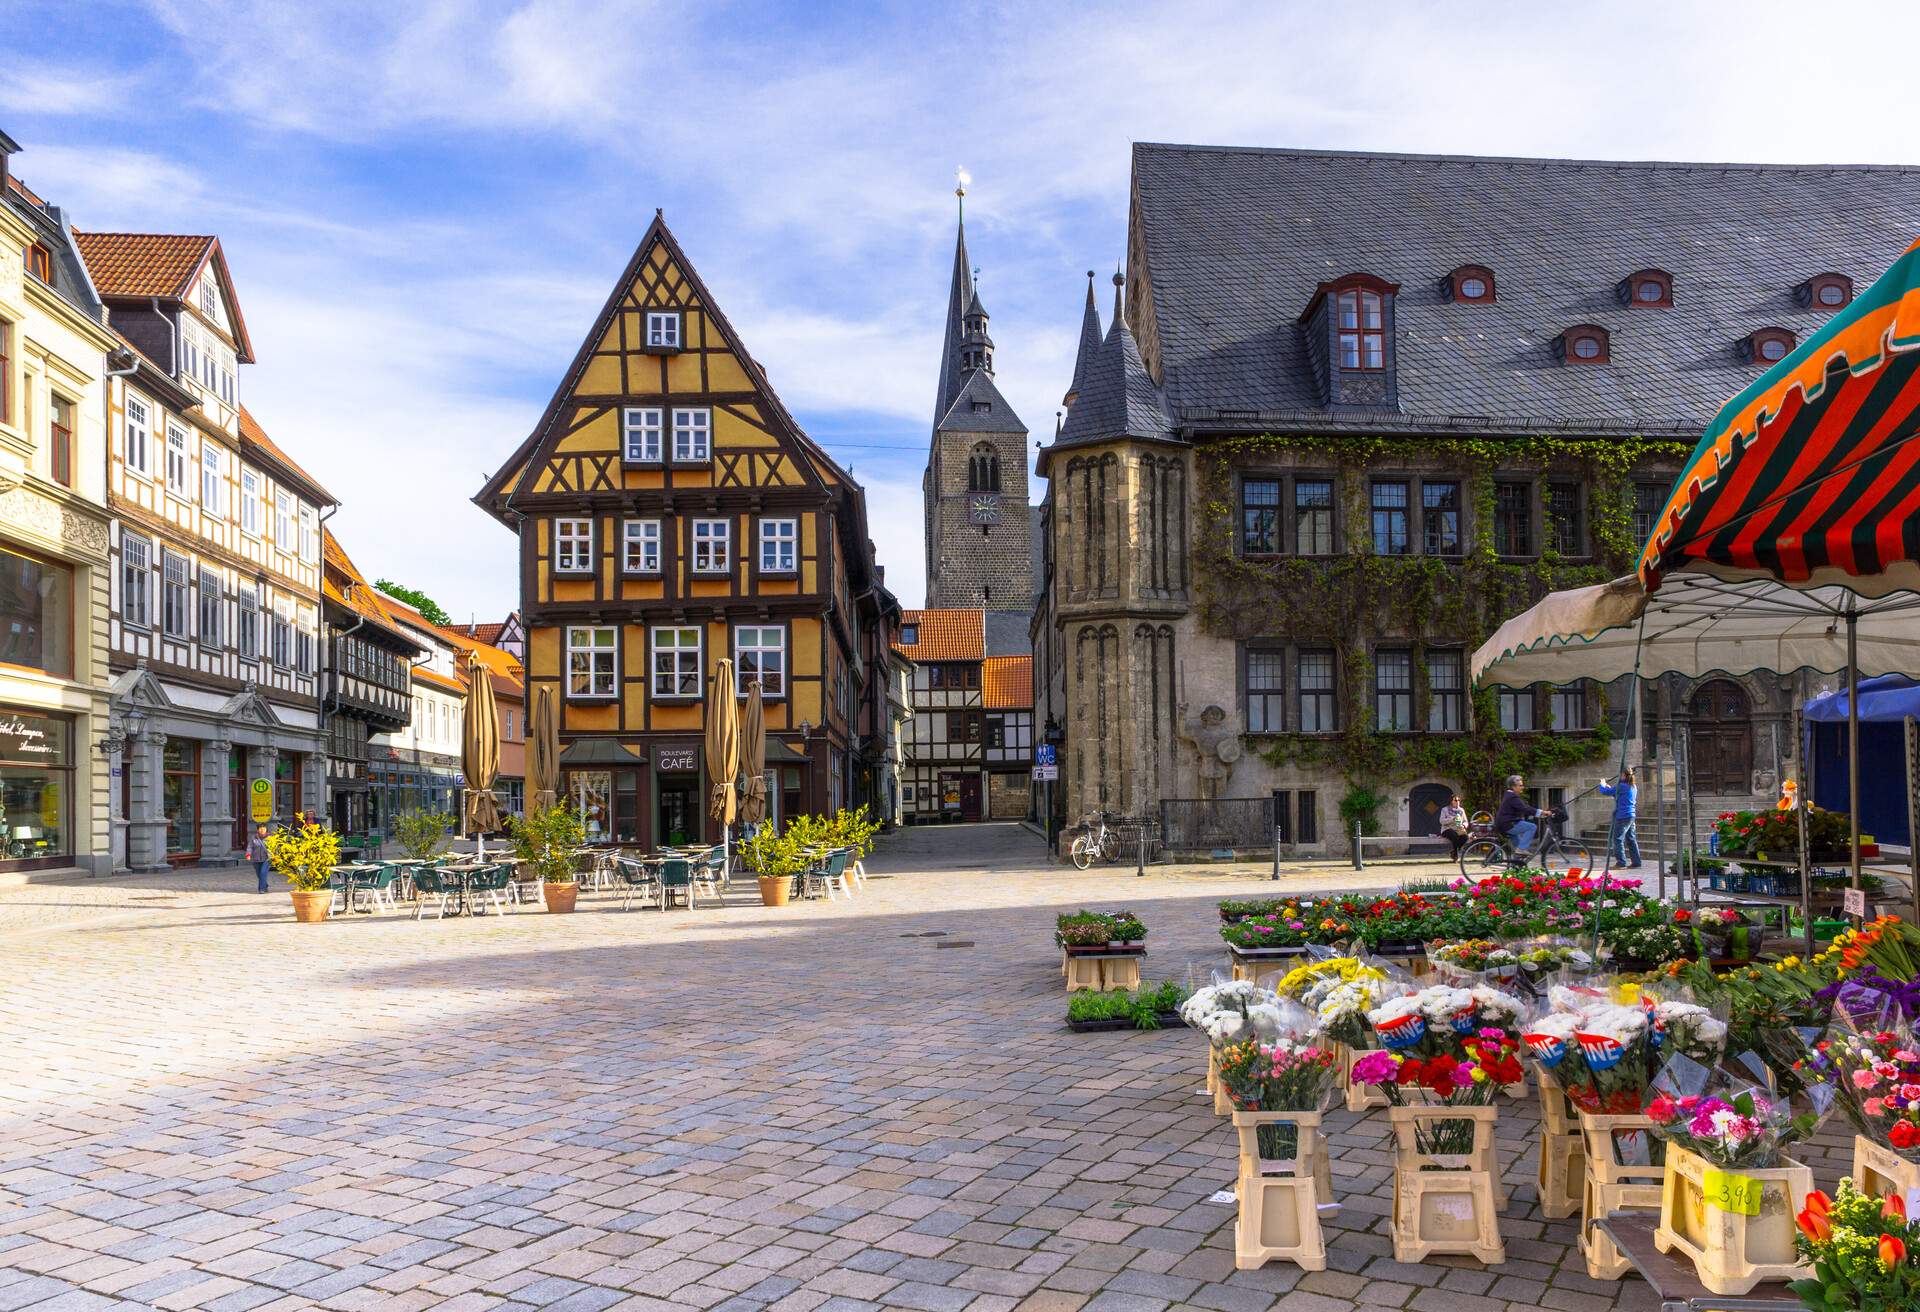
261	798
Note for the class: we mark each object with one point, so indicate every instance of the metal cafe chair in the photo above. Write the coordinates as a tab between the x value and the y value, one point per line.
676	875
636	877
428	883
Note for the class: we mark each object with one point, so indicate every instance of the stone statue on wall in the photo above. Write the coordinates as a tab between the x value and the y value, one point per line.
1215	736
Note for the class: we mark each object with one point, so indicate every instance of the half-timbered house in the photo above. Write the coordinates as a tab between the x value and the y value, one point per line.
968	749
368	686
215	631
671	512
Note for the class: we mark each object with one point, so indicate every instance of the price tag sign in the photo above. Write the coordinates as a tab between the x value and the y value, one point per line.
260	800
1855	901
1731	1193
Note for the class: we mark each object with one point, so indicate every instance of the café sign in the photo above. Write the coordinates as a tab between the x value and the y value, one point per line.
676	760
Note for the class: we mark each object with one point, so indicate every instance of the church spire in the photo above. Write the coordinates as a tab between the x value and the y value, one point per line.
1089	344
960	299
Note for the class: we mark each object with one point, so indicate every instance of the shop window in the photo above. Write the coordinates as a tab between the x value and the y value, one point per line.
36	787
180	796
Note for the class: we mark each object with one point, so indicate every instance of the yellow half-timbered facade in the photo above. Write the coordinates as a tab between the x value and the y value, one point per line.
671	512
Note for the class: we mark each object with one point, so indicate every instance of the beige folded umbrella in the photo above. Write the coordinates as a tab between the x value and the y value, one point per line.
753	758
480	749
543	751
723	744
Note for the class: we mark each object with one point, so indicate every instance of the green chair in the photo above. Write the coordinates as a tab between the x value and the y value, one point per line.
428	883
829	873
676	876
492	882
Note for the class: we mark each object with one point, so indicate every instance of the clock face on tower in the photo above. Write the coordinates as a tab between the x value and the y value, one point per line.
983	509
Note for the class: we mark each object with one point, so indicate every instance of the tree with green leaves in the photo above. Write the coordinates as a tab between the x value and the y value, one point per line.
417	599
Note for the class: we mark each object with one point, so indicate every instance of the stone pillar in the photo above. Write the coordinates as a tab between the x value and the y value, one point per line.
313	786
147	825
261	763
216	806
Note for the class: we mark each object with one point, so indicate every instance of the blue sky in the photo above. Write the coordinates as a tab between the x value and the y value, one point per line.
425	201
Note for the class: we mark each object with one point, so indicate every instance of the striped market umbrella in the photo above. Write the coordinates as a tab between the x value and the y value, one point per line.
1811	476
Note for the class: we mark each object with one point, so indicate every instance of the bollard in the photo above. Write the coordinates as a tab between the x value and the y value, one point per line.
1359	861
1276	853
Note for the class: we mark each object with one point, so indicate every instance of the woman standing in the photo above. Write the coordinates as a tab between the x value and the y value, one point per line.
1623	847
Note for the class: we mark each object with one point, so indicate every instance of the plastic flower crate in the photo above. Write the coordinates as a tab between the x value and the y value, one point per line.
1735	1226
1279	1219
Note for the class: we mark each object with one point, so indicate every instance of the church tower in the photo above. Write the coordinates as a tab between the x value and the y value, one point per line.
979	526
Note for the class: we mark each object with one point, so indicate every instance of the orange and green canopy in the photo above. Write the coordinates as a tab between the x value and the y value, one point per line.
1812	475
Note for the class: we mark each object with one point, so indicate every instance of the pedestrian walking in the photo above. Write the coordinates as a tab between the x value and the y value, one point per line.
257	853
1623	845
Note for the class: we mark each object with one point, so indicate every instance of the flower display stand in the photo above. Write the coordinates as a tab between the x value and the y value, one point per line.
1563	1157
1360	1097
1445	1202
1101	969
1280	1200
1879	1172
1733	1248
1611	1185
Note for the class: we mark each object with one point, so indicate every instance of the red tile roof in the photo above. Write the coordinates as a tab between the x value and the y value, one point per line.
143	263
254	440
1006	683
945	635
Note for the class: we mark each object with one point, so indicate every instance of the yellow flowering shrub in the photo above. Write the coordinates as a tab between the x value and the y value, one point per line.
304	855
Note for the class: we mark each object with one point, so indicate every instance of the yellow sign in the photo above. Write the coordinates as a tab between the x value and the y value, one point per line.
1731	1193
262	801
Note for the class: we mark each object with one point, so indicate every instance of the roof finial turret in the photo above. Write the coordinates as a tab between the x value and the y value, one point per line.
1119	282
962	180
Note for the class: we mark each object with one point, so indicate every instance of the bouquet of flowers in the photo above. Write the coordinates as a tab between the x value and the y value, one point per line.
1864	1251
1341	1006
1288	1074
1437	1020
1240	1009
1726	1117
1605	1046
1474	956
1488	1061
1875	1080
1317	976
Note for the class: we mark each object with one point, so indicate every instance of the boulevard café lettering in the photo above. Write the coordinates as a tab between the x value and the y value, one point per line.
672	760
30	738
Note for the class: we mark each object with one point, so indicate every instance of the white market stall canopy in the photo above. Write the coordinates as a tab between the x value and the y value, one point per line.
1697	625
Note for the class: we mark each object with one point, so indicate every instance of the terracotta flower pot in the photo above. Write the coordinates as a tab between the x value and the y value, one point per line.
310	906
775	889
560	897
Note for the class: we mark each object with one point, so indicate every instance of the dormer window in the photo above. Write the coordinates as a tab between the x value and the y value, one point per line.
1826	291
1647	289
1584	344
1470	283
909	635
1362	329
39	262
1768	345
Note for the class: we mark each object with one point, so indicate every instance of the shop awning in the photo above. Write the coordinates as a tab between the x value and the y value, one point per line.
599	751
778	753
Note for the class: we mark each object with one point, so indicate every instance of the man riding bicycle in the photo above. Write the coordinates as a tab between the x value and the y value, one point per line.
1515	820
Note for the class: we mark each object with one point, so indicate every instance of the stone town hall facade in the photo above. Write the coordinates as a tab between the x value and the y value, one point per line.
1353	411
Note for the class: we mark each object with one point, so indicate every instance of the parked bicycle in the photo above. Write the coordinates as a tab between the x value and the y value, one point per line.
1492	853
1097	841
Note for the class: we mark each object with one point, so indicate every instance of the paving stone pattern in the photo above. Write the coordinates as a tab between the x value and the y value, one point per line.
815	1107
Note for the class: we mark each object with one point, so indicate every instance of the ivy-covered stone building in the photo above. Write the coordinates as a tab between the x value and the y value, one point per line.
1354	410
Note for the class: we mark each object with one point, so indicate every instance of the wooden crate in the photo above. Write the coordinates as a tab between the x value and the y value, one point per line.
1610	1185
1280	1201
1732	1251
1451	1209
1563	1157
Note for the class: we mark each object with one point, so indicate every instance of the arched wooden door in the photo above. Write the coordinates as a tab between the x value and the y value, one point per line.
1424	805
1722	738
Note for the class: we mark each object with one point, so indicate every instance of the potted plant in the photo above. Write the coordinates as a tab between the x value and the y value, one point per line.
422	834
546	839
774	860
305	855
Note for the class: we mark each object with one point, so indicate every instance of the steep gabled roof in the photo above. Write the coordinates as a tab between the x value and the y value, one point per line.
1006	683
140	265
945	635
1117	399
965	415
1232	242
1006	633
344	585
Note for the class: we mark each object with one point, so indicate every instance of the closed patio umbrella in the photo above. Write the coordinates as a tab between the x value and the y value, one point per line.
753	758
479	751
723	746
543	751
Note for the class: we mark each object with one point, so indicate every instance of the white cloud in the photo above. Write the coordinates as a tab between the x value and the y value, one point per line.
31	87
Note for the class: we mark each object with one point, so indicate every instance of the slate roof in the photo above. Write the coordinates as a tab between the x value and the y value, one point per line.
1117	397
998	417
952	329
1089	342
1234	241
1006	683
1006	633
945	635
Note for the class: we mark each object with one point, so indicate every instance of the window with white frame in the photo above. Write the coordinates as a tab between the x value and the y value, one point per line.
303	648
591	661
642	428
711	542
177	462
136	587
640	546
247	635
175	618
210	625
692	435
676	662
760	652
573	546
309	535
282	640
779	546
136	425
250	503
283	520
213	484
663	328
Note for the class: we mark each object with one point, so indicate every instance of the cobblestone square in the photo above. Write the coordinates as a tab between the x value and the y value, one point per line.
820	1106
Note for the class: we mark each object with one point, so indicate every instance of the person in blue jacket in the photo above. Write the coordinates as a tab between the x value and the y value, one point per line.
1623	849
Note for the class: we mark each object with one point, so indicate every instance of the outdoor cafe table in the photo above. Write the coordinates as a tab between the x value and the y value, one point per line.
346	874
459	876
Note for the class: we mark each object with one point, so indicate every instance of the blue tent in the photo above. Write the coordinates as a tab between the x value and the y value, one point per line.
1885	704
